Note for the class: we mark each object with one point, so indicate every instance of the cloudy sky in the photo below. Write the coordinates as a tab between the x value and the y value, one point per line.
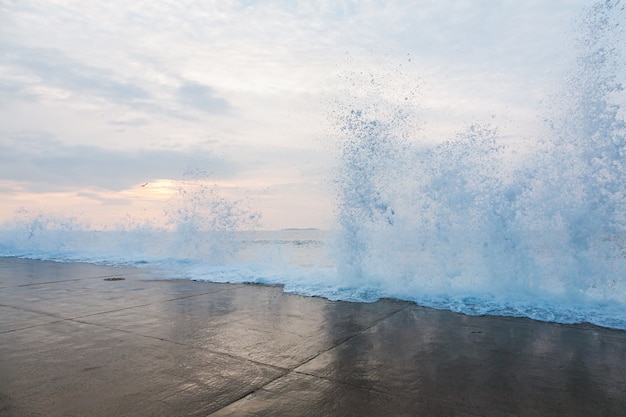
106	107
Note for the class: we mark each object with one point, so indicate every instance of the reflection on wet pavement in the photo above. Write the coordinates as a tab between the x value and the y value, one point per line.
74	343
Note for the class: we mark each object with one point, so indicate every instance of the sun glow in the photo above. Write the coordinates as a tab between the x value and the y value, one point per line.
161	189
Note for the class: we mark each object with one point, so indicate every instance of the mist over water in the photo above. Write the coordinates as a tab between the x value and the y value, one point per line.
469	223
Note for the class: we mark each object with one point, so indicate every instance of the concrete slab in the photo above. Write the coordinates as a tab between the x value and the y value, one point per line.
297	394
488	366
75	344
260	323
74	369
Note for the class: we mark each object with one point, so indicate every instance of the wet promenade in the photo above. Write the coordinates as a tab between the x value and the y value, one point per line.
78	340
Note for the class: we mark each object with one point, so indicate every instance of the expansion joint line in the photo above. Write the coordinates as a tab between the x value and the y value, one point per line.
293	369
348	338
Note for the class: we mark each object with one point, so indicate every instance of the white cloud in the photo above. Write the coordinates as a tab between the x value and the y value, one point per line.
42	163
202	98
51	67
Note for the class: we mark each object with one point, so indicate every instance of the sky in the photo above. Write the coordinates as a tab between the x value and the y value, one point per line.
109	109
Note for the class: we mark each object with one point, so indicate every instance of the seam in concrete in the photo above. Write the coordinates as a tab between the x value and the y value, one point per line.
352	336
167	300
215	352
339	343
446	404
43	313
60	318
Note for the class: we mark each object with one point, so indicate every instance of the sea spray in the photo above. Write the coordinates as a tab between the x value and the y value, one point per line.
198	224
363	203
33	233
462	225
372	115
205	223
582	175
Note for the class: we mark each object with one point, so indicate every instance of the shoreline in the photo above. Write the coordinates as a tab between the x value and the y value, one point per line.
74	342
156	274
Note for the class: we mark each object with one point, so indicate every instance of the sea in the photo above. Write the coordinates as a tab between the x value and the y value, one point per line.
470	224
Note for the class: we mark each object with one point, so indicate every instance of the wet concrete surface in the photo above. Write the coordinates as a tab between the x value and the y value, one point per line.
73	343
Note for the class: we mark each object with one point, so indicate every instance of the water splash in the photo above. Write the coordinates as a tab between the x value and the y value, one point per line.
199	224
204	222
462	225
